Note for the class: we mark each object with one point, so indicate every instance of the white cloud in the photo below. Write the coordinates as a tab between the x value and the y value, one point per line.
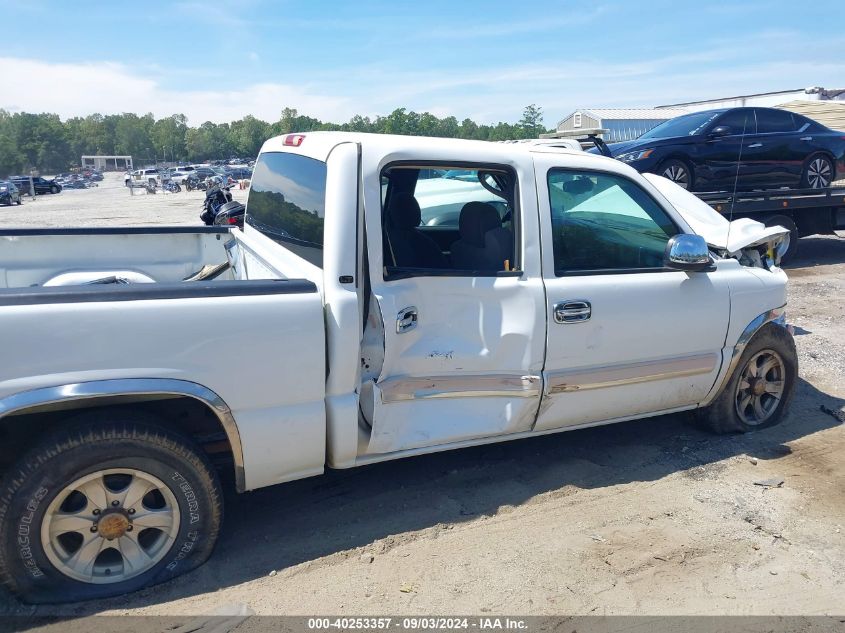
108	88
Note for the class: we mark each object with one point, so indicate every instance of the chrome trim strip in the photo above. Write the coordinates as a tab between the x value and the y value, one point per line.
775	315
407	388
616	375
20	402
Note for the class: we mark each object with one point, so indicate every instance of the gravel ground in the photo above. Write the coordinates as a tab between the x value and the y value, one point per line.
648	517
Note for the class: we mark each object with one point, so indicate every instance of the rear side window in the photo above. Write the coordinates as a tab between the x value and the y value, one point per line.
287	202
774	121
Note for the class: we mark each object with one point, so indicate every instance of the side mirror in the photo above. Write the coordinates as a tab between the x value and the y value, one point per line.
719	130
687	252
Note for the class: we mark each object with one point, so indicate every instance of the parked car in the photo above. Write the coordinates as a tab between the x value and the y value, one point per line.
41	185
593	300
750	148
9	193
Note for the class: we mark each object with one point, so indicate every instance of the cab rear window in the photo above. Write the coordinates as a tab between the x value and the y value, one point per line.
287	202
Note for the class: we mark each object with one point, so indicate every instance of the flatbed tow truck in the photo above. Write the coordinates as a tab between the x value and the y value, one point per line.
803	211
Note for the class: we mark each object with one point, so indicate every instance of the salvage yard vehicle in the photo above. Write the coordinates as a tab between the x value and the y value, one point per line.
9	193
590	295
739	148
39	184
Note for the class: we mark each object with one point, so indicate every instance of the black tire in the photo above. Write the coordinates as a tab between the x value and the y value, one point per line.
20	202
787	223
818	172
722	415
678	171
92	443
54	189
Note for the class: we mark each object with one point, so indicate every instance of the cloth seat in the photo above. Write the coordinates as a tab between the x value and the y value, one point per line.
484	244
405	246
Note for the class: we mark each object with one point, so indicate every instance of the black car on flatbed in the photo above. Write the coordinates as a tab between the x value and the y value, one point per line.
738	149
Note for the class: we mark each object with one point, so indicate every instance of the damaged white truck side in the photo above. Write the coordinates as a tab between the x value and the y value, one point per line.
389	296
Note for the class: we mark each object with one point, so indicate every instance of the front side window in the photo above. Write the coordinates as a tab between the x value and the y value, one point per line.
739	121
604	222
287	202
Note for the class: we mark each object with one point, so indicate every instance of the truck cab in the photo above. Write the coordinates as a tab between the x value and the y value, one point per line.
395	296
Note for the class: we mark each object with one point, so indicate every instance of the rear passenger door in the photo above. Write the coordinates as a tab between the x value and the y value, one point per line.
626	336
780	154
463	323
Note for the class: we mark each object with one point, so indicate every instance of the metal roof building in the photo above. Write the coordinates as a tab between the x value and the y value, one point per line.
764	99
621	124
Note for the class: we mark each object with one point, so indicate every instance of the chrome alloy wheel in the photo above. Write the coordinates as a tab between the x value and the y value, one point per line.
819	173
760	387
110	526
678	174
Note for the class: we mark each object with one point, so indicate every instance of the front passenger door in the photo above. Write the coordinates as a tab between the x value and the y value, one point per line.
626	336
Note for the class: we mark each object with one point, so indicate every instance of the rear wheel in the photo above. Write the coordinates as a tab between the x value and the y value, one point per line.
818	173
758	393
678	172
114	505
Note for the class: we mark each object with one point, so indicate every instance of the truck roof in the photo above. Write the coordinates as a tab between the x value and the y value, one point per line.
318	145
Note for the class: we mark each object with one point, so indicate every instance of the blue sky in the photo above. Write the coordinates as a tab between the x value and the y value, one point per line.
218	61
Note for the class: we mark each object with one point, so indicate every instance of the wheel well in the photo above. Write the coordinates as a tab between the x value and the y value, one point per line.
189	416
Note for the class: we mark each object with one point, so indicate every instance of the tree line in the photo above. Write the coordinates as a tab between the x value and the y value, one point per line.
45	143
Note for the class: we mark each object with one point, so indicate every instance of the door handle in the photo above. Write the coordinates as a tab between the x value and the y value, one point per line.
406	320
572	311
755	145
806	138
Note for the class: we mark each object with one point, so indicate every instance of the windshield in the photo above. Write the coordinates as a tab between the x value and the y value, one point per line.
686	125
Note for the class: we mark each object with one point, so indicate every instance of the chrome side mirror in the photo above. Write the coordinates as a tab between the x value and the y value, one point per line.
687	252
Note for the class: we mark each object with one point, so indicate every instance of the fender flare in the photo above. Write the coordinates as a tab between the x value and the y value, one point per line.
36	398
775	315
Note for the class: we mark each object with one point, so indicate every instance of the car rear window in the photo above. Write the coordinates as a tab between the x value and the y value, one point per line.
287	202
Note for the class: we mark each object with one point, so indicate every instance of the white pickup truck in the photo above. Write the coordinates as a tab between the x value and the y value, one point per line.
389	296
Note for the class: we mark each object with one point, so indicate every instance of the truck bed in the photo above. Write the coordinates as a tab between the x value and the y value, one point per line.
234	335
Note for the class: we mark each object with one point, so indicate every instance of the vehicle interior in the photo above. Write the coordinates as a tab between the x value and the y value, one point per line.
448	219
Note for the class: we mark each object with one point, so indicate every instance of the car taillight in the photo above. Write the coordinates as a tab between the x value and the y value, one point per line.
233	220
294	140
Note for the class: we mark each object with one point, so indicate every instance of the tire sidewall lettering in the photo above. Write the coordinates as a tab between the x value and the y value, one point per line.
28	529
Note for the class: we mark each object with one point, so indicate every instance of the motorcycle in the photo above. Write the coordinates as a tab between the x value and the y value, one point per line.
172	187
215	197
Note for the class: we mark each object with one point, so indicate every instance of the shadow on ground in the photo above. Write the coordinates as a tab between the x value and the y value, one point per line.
817	250
276	528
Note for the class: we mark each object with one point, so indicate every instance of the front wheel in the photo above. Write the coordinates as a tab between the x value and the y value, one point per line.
758	393
104	509
678	172
54	189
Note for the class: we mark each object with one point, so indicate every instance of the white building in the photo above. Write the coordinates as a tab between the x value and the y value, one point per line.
107	163
763	99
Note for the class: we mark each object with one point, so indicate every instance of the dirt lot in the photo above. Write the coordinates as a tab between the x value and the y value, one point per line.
649	517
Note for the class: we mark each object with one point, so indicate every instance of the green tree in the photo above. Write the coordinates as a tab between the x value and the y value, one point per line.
532	121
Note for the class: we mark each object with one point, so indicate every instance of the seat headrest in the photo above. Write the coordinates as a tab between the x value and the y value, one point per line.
476	219
404	211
